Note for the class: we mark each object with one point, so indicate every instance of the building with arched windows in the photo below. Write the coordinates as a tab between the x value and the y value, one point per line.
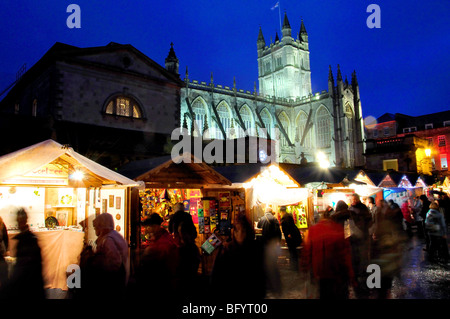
285	109
114	104
102	101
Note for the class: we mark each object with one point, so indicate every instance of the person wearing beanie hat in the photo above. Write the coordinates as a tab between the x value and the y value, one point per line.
156	272
437	230
109	264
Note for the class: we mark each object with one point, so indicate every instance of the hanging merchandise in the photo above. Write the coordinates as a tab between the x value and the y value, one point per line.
225	213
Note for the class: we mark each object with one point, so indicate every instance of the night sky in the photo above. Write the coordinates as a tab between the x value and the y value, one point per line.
402	67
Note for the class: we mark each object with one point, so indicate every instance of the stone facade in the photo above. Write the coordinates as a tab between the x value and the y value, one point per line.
303	123
117	102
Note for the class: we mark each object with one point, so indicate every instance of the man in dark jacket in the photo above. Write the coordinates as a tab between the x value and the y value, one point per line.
359	239
291	235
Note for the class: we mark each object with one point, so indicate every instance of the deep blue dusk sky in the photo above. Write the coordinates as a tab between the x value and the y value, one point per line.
402	67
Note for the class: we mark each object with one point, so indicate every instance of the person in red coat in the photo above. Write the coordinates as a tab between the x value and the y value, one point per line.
327	255
406	211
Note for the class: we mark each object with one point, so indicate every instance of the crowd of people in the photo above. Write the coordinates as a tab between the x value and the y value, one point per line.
336	251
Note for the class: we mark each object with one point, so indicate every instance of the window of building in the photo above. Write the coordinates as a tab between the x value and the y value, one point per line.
441	140
247	118
429	126
267	120
446	123
284	120
225	118
200	116
323	120
16	108
375	133
390	164
430	141
386	130
268	67
124	106
409	129
444	164
301	125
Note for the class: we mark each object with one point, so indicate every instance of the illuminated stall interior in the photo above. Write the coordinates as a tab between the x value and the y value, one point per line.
199	187
60	189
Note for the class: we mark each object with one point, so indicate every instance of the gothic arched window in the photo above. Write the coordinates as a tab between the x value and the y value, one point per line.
301	122
267	120
123	106
323	124
285	123
247	118
225	118
200	114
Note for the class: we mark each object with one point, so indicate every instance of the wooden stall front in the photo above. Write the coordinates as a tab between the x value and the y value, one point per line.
59	189
201	189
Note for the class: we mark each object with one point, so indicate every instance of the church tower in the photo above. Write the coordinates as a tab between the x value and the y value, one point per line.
172	63
283	67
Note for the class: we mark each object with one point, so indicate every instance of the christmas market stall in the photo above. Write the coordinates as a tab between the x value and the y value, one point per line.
204	193
269	186
60	189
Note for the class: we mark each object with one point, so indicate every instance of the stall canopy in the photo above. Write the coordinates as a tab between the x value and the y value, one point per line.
185	171
23	166
265	184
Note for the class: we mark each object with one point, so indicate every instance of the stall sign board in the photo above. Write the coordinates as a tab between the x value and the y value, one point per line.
49	174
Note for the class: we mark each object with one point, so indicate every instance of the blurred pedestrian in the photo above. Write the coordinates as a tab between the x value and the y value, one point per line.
408	220
107	267
4	244
341	213
156	274
360	222
189	257
271	236
386	251
180	216
26	281
423	214
437	230
327	255
292	236
247	280
416	207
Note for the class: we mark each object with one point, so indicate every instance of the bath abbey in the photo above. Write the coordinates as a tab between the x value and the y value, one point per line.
284	108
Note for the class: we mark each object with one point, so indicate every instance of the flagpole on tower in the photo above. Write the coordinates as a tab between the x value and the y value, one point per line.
279	11
279	15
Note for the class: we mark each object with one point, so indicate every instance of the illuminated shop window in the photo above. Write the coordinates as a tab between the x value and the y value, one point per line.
444	164
390	164
124	106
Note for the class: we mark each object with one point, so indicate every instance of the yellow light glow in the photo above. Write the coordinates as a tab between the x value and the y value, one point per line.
428	152
323	161
77	175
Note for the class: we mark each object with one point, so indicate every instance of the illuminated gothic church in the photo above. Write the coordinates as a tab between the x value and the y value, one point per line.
285	109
